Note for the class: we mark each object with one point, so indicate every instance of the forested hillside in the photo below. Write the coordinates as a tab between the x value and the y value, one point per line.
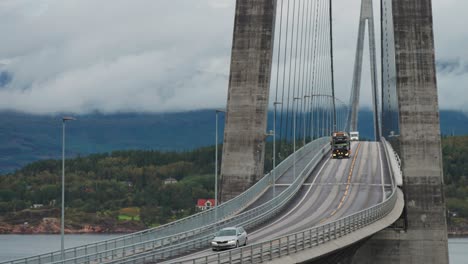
109	189
26	138
124	191
455	153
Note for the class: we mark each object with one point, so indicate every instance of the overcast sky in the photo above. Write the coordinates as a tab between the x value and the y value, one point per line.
168	55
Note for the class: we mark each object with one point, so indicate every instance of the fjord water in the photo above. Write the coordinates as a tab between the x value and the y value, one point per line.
20	246
458	250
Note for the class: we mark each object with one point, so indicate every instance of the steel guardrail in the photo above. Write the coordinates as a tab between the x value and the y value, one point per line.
292	243
172	232
394	163
253	217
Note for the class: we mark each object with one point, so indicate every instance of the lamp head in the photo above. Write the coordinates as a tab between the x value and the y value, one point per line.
68	118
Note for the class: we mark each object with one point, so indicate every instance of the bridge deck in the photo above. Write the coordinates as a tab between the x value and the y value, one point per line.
338	187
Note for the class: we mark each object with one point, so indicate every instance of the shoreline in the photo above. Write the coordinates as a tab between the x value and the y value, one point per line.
51	226
54	229
457	235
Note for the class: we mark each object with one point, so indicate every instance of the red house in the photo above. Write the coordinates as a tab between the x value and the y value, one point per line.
205	204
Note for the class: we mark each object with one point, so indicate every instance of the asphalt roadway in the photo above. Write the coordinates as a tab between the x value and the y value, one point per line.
335	189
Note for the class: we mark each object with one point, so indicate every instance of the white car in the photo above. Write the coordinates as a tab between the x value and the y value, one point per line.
229	237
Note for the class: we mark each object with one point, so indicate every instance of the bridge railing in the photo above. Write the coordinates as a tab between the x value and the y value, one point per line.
394	163
170	233
303	240
171	246
292	243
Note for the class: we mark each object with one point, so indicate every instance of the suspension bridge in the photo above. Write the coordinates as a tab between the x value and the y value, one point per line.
385	204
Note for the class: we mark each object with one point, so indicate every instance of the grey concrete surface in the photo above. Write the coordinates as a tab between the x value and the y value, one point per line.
323	197
246	116
307	256
367	15
424	239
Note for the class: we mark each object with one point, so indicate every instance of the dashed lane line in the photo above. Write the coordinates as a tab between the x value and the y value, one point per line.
350	174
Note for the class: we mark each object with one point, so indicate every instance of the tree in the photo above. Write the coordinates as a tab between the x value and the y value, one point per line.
150	215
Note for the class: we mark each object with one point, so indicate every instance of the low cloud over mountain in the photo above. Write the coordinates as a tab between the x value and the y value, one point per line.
156	56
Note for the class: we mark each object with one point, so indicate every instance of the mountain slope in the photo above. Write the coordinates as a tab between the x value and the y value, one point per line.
25	138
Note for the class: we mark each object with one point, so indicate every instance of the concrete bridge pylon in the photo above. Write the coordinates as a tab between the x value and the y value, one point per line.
247	104
367	15
421	236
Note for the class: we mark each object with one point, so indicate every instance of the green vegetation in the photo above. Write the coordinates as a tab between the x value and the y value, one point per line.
26	138
455	155
129	214
128	187
122	185
114	188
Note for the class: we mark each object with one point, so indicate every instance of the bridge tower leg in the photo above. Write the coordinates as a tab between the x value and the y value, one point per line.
247	105
423	236
367	14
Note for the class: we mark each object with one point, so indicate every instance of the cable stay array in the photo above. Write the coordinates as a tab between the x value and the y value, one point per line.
301	87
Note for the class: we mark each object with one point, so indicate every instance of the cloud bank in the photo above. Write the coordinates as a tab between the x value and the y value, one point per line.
82	55
166	55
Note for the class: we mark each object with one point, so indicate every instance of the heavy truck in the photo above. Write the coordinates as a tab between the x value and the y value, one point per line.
340	145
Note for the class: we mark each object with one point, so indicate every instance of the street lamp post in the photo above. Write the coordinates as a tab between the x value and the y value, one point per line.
274	148
312	136
332	124
272	173
294	138
330	118
304	119
62	224
216	165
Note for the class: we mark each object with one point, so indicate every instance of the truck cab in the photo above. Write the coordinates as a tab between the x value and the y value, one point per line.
340	146
354	136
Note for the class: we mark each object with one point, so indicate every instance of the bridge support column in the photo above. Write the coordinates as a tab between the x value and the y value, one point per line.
367	14
424	236
247	105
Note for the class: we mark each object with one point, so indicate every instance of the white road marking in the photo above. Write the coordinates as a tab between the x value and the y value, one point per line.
347	184
298	204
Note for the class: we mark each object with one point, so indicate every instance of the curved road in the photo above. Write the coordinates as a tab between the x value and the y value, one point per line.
336	188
